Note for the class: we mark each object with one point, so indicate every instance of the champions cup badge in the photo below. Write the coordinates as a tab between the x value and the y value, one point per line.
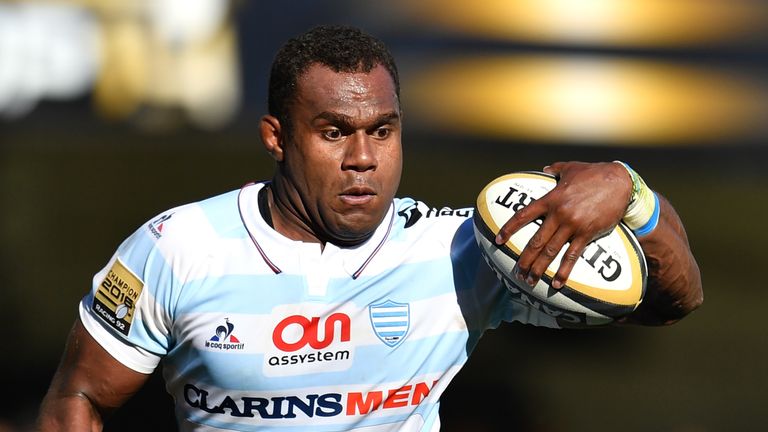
390	321
116	297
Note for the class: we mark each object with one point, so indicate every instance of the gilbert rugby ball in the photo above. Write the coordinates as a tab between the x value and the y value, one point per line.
607	282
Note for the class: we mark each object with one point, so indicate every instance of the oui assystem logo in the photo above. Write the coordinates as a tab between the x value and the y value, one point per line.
306	344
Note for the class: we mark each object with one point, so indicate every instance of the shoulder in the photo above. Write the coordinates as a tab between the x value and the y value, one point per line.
218	214
418	224
186	231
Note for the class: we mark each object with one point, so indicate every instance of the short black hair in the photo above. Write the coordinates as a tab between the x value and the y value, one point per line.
340	48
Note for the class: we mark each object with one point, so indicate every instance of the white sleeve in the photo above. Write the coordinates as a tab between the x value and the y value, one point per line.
128	308
131	356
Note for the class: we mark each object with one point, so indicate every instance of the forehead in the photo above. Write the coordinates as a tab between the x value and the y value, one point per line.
321	88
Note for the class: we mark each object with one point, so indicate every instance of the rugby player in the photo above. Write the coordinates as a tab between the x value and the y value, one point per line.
317	300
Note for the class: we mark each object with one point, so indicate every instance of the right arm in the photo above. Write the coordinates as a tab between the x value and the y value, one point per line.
88	385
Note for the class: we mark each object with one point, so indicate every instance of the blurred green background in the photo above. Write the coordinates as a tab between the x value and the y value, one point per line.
678	93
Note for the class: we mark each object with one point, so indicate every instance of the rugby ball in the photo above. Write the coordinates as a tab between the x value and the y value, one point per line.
121	311
607	282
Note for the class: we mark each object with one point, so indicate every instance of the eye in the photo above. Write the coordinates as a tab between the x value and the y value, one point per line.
332	134
382	132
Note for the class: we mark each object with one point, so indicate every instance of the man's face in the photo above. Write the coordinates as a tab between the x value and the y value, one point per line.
343	159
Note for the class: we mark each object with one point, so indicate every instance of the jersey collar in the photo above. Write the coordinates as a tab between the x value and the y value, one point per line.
270	243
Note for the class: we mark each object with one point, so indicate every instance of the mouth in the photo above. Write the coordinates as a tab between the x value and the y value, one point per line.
357	195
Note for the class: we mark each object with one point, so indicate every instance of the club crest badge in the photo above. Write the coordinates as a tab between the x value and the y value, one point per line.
390	321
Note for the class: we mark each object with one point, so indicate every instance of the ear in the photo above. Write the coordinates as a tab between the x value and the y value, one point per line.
271	136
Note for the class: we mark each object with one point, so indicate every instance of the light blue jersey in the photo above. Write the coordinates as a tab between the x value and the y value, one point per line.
259	332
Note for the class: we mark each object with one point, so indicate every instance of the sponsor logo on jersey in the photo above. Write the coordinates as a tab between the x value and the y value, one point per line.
412	214
445	211
306	406
115	299
156	226
224	339
390	321
310	345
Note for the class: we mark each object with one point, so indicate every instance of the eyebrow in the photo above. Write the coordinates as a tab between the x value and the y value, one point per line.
348	121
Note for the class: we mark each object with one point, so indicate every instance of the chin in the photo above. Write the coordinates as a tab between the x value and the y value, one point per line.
353	234
355	227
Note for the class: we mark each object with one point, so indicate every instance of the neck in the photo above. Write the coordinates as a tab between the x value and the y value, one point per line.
286	219
290	218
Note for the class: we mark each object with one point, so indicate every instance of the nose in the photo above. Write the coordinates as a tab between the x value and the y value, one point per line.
360	154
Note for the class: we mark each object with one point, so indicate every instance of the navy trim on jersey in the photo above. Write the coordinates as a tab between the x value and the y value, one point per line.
381	243
264	256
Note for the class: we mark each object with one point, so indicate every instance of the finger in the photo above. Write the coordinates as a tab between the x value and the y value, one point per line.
571	255
537	244
554	169
520	219
547	254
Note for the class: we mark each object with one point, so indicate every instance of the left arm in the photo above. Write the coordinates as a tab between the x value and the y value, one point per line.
588	202
674	281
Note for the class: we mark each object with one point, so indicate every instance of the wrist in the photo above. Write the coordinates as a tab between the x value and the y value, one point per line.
642	214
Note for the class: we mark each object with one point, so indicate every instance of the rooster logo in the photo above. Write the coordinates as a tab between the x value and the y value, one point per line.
224	333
